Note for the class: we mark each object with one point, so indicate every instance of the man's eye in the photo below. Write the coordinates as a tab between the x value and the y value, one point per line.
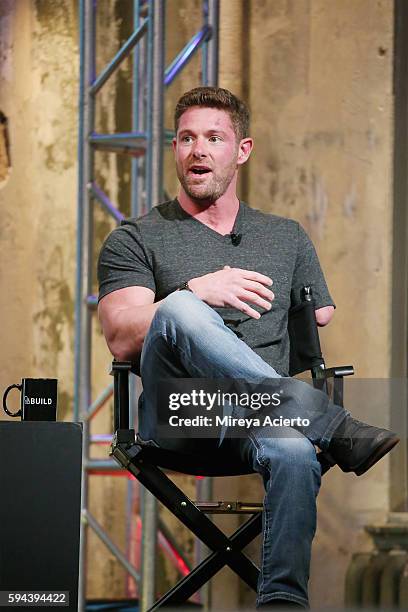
187	139
215	138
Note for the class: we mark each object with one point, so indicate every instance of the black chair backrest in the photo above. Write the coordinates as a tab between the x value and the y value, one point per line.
305	351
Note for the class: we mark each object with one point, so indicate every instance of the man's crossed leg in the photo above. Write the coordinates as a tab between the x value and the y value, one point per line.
187	338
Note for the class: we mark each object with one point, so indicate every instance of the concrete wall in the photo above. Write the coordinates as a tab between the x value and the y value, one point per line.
318	77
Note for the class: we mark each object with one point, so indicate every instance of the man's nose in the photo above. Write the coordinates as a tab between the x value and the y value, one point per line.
198	154
199	150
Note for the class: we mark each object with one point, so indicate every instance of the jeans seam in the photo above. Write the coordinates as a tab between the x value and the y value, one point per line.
174	346
327	435
259	447
261	461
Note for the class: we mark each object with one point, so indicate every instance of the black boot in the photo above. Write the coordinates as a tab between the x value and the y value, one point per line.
356	446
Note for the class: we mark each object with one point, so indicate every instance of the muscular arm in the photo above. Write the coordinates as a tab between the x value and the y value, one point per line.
125	316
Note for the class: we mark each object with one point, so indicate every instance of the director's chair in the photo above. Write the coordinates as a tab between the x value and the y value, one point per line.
144	460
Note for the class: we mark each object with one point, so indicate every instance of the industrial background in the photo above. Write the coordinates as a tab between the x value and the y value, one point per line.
325	82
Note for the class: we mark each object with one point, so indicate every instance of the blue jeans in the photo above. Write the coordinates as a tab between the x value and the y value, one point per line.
187	338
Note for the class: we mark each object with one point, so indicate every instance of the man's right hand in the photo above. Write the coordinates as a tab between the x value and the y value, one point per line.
234	287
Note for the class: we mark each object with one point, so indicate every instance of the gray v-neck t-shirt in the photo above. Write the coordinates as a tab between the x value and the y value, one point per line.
167	247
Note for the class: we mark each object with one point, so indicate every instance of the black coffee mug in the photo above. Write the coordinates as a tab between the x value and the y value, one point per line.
39	398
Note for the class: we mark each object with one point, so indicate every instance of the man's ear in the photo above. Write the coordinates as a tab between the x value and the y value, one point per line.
244	151
174	144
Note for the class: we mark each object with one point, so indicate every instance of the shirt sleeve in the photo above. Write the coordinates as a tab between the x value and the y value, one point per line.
124	262
309	272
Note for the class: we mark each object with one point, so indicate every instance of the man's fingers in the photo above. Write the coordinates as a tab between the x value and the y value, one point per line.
254	276
250	296
245	308
249	286
260	289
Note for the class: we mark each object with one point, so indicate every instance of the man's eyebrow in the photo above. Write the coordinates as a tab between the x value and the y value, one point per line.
209	131
185	131
218	131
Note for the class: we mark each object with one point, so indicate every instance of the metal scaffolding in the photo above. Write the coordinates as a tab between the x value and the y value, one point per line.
146	144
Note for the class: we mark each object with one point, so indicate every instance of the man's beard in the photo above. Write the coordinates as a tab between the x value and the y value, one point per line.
211	190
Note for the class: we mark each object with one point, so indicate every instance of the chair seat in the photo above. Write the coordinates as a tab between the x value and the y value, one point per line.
212	463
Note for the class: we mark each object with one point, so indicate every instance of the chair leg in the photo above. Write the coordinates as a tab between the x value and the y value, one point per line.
212	564
338	390
130	456
181	506
191	583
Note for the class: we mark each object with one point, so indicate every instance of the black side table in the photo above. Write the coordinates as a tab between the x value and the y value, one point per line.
40	505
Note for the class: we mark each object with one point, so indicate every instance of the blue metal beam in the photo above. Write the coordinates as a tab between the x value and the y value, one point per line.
118	59
186	54
99	195
126	142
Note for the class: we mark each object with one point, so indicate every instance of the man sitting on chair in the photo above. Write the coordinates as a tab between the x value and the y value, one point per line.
201	287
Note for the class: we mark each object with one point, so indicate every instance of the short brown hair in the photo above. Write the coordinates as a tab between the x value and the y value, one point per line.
215	97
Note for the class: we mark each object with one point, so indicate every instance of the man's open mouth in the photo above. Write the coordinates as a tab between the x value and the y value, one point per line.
199	170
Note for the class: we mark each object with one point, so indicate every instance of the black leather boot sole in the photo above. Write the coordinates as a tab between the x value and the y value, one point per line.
357	446
378	454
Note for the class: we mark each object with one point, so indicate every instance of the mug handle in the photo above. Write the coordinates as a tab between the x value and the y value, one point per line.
7	391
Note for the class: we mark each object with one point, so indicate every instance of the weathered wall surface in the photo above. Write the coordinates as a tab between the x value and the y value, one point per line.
39	66
322	122
38	95
320	91
318	77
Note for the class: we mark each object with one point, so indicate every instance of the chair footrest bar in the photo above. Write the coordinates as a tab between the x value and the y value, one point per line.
228	507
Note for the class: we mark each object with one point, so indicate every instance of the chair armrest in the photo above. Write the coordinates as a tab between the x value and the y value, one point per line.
335	372
120	365
320	376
